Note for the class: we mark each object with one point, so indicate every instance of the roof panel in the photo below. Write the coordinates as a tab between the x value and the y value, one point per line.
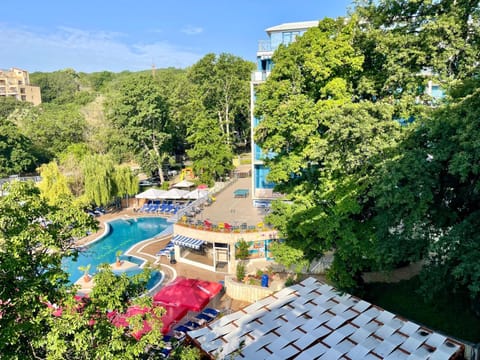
286	333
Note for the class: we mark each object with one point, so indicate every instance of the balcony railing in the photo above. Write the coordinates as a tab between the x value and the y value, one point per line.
264	46
258	76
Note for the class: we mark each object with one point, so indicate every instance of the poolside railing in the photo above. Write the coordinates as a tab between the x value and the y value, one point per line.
225	227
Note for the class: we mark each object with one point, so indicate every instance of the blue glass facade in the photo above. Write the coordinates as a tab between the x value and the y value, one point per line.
260	177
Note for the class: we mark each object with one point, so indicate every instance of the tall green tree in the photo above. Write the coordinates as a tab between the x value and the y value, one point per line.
17	153
408	43
224	89
52	128
139	111
431	197
126	182
326	148
99	175
53	186
210	153
34	238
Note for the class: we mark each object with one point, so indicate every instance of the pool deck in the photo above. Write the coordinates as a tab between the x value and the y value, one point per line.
225	208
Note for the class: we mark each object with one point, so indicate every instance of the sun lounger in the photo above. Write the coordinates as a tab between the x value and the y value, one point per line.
205	317
192	325
182	328
211	312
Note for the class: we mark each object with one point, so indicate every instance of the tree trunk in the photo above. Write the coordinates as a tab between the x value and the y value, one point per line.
227	119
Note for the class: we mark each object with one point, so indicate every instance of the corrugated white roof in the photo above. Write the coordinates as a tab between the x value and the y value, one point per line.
302	25
291	324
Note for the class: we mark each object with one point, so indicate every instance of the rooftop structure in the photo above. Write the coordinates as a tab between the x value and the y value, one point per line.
311	320
16	83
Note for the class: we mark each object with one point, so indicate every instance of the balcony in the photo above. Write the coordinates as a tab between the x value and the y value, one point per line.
259	76
265	46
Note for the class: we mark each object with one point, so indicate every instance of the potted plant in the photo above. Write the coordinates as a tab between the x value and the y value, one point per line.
85	269
118	262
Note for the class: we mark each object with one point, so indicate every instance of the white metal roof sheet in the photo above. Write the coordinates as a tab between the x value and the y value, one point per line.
331	326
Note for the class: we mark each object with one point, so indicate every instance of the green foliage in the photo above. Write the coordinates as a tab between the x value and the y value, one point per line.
126	182
99	179
53	127
289	256
57	87
53	186
436	199
241	250
184	352
99	80
9	104
139	112
79	326
376	193
71	167
17	155
34	238
241	271
221	83
211	155
290	281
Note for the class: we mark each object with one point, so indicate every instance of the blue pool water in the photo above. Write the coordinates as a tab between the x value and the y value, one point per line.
123	234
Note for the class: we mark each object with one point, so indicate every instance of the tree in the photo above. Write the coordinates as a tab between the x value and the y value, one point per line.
139	112
17	154
431	197
325	148
34	237
405	40
52	128
99	173
223	87
211	155
57	87
126	182
289	256
53	186
8	105
88	328
70	162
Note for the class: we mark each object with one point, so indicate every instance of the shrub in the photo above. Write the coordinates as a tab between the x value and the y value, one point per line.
290	281
240	271
242	249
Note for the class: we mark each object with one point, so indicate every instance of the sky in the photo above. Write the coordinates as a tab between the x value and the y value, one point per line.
97	35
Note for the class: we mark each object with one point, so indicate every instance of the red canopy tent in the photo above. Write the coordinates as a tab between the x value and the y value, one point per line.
209	287
172	315
183	292
190	293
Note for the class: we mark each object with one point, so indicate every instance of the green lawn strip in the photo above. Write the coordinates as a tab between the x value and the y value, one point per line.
450	315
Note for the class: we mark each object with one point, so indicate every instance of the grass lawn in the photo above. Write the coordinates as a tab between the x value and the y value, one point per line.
450	316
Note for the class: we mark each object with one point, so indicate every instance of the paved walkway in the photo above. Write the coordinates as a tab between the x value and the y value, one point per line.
233	210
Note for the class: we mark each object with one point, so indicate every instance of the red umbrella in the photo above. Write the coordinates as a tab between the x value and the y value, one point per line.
209	287
183	292
173	314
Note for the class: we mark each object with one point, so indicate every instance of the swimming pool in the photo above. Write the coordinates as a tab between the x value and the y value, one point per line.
123	234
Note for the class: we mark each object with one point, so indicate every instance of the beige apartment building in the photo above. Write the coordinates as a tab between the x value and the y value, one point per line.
16	83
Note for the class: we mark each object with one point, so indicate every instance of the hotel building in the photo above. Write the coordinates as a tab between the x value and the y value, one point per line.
16	83
284	34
